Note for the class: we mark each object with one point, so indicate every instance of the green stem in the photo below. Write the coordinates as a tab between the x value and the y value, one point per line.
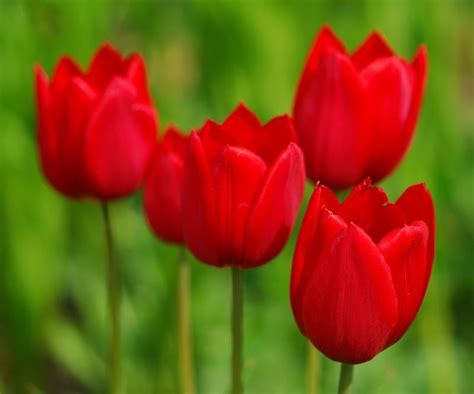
237	309
184	332
312	365
345	378
113	295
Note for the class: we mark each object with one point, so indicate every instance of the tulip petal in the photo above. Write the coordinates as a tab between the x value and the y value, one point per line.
242	128
417	204
118	141
331	122
325	43
405	251
106	64
238	176
350	305
274	212
368	207
78	104
174	141
63	72
199	214
419	67
389	83
47	138
280	132
162	197
80	99
373	48
136	74
213	140
309	244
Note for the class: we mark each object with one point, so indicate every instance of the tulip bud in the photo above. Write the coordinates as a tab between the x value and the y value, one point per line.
361	269
163	187
355	114
96	128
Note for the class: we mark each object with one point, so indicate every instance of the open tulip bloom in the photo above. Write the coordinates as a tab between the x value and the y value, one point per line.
361	269
96	132
355	113
243	186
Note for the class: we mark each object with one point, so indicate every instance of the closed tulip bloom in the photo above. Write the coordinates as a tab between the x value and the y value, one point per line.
355	114
96	128
163	187
243	186
361	269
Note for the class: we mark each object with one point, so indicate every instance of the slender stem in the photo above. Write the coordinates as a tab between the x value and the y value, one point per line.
237	309
312	373
113	295
184	332
345	378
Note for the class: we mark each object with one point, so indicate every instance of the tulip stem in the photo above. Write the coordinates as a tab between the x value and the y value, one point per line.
184	332
237	309
345	378
312	365
113	295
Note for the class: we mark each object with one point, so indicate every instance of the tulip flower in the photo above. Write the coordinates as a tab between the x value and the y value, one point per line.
163	187
96	128
361	269
243	186
96	132
162	197
355	114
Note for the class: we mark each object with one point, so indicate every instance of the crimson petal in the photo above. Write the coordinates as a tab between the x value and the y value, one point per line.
199	204
275	137
332	124
242	128
417	204
389	83
136	74
162	196
106	64
350	305
405	251
118	141
309	245
274	212
373	48
238	176
325	43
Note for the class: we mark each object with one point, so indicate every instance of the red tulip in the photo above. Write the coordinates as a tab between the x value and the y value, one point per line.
355	114
361	269
243	186
96	129
163	187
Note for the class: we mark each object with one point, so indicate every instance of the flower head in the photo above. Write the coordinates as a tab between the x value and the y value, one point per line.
96	128
361	269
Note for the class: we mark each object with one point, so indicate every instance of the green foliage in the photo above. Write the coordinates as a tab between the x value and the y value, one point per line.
203	58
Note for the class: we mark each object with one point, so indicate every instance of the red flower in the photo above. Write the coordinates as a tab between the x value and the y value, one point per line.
163	187
243	186
96	129
355	114
361	269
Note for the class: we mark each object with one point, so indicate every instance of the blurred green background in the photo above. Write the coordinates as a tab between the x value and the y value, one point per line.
204	57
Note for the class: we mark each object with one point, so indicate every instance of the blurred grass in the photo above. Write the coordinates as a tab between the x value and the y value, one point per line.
203	57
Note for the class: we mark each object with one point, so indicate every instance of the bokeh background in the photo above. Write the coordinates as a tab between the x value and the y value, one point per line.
204	57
